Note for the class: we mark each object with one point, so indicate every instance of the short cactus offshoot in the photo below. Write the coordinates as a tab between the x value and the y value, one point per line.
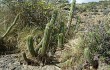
30	46
60	40
41	51
61	35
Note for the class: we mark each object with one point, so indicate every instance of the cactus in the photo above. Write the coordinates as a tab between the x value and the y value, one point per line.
39	46
62	28
60	40
8	30
88	55
47	34
77	24
24	56
72	8
30	46
14	22
61	35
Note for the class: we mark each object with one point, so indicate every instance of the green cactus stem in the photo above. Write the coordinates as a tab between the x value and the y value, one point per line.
9	29
24	56
60	40
77	24
72	8
47	34
39	46
62	27
30	46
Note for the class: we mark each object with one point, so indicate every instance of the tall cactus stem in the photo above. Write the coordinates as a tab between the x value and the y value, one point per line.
72	8
62	27
47	34
9	29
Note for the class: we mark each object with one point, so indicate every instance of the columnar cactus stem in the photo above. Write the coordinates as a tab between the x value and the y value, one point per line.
47	34
61	40
14	22
77	24
62	27
30	46
71	15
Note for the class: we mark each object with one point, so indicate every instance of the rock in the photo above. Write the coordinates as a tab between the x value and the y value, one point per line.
50	67
10	62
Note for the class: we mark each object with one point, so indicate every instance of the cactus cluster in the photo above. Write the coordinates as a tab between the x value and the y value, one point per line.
43	46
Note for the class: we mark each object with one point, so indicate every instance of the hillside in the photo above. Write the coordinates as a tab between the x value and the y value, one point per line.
46	36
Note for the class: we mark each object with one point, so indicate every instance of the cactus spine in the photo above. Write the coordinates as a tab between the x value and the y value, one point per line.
72	8
47	33
60	40
30	46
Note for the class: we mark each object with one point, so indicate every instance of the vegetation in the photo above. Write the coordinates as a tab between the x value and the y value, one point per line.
56	32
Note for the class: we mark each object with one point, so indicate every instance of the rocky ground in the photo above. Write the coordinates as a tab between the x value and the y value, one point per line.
11	62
